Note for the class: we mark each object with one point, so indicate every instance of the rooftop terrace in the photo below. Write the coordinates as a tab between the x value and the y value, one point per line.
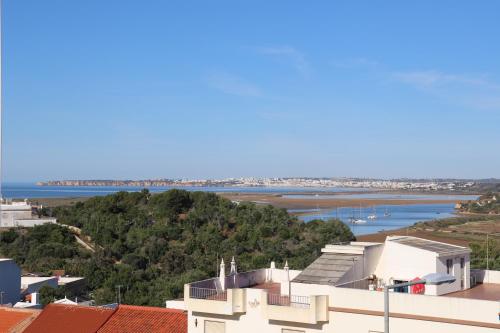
485	291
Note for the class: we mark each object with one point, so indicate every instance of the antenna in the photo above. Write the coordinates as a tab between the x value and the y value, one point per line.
119	295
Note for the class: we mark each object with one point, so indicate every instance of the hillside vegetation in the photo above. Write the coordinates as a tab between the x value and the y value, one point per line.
151	245
486	204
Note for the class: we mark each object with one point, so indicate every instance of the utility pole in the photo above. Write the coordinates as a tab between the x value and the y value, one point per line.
1	42
119	296
488	256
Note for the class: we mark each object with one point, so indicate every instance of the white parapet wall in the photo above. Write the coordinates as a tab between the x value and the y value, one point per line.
411	306
485	276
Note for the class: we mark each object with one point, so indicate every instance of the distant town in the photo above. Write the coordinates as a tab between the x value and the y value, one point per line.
389	184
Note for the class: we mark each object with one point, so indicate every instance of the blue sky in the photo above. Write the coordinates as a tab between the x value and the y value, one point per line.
209	89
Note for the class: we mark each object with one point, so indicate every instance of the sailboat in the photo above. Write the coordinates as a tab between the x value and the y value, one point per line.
359	220
373	216
387	213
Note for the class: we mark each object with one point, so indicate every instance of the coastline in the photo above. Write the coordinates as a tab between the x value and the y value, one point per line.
280	201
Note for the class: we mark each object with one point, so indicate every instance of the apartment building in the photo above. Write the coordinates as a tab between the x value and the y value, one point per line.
343	291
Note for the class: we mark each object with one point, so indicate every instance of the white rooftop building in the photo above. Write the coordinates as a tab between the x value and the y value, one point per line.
342	291
32	284
19	214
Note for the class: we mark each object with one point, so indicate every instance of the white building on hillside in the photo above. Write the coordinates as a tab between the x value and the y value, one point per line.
19	214
342	291
33	284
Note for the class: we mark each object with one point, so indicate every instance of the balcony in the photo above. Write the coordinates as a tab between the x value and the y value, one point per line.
292	301
298	309
204	297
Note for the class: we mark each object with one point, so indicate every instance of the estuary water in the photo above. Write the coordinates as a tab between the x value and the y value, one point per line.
398	216
32	191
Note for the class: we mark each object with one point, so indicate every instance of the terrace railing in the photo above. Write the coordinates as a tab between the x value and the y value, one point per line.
289	300
208	294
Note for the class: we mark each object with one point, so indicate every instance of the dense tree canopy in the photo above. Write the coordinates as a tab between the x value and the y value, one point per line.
152	244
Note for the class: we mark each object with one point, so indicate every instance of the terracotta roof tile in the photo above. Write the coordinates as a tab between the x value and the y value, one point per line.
12	319
58	318
143	319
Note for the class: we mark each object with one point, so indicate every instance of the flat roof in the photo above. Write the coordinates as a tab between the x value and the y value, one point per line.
328	268
35	279
271	287
485	292
429	245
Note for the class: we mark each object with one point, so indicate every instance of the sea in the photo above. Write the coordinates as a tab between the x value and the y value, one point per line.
389	217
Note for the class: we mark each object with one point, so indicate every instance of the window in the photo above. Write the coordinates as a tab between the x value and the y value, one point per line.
401	289
449	266
215	326
462	263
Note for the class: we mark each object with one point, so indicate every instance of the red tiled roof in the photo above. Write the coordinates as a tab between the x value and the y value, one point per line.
59	318
144	319
11	319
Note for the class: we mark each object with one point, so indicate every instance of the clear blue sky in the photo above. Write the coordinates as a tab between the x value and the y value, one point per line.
208	89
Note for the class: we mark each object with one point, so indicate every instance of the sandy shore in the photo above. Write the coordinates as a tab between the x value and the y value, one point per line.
278	200
299	203
381	236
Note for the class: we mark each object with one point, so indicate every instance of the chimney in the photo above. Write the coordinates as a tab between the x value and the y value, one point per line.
233	267
269	277
222	275
285	285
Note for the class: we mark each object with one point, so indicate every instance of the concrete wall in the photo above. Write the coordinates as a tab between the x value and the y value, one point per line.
358	323
305	289
10	281
30	223
486	276
422	305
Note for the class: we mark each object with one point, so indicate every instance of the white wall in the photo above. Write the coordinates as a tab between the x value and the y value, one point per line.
357	323
456	272
403	262
423	305
253	320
